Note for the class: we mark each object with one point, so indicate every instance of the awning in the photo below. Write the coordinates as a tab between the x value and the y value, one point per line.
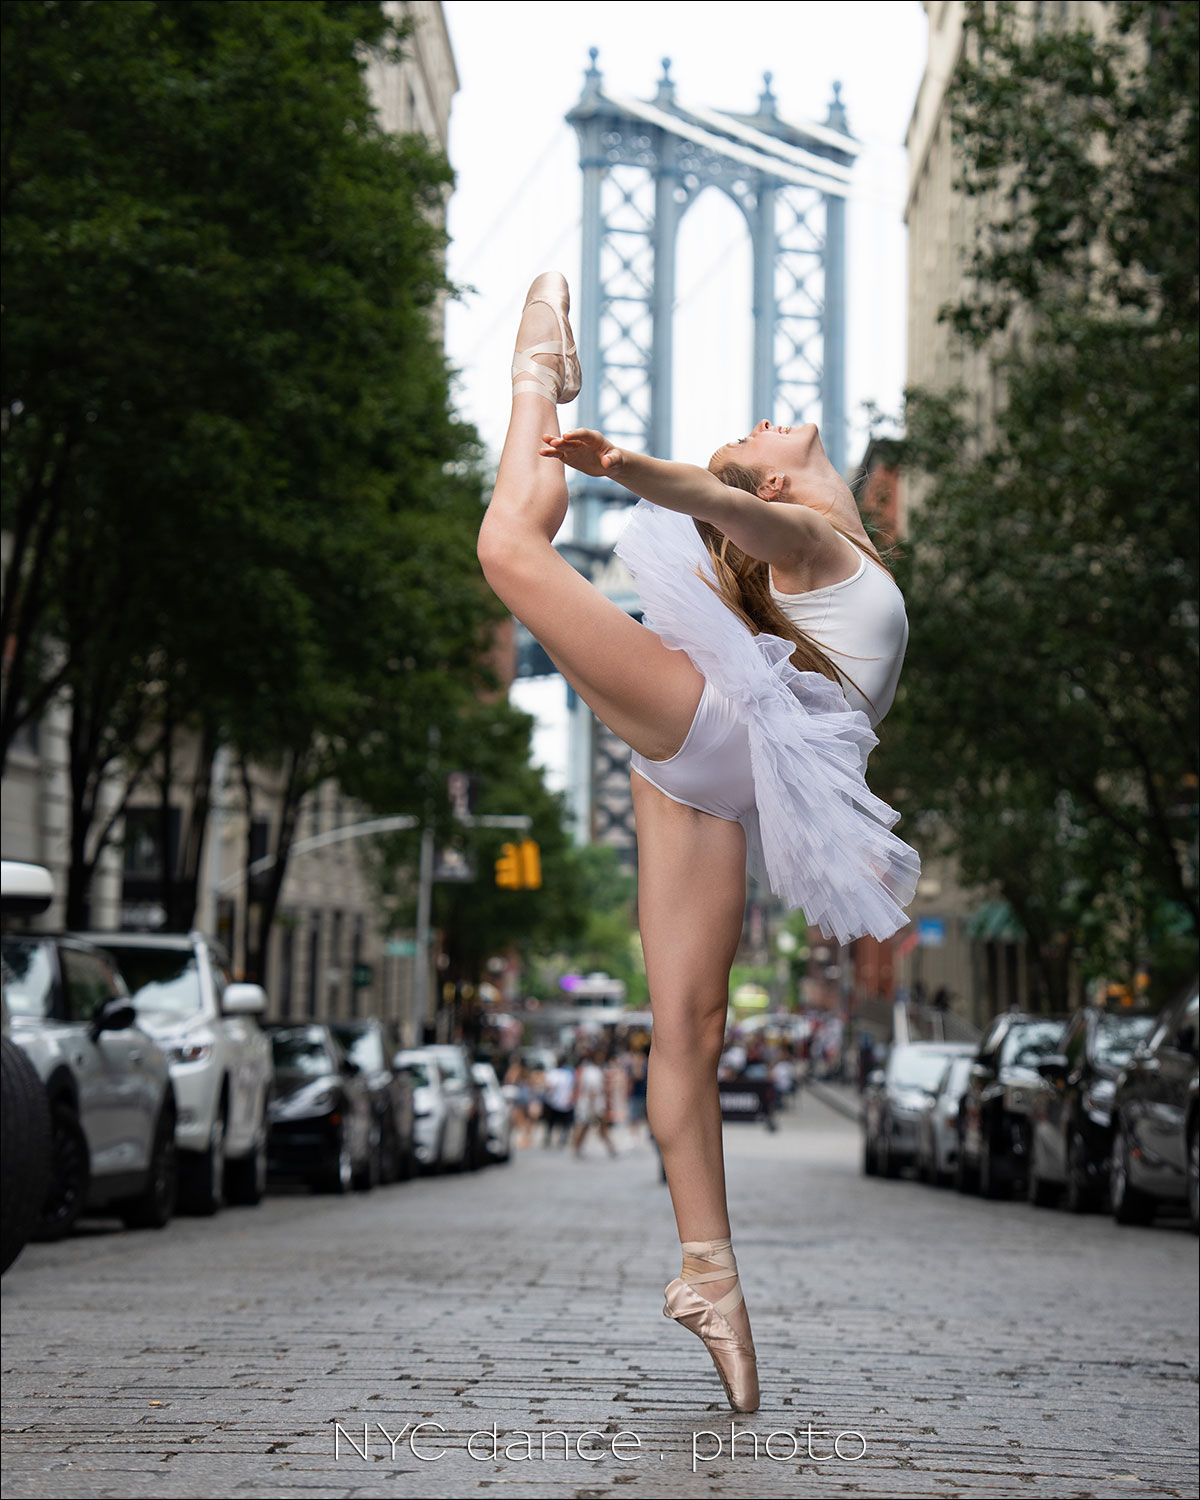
995	922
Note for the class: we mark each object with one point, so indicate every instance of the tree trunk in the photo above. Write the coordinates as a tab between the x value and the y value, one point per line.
193	839
296	783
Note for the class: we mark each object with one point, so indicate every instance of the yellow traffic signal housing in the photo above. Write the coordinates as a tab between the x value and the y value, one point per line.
519	867
508	868
531	865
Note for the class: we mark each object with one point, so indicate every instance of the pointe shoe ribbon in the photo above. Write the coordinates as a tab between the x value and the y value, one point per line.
550	289
733	1357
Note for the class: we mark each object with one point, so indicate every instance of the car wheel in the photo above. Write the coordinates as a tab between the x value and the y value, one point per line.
1193	1175
1129	1204
70	1175
155	1204
340	1178
366	1172
888	1165
25	1161
965	1180
246	1178
202	1181
1081	1196
389	1152
991	1183
1042	1194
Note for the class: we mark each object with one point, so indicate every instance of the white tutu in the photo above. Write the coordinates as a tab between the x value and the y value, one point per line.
819	836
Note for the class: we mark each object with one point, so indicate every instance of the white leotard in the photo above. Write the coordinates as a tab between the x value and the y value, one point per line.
861	626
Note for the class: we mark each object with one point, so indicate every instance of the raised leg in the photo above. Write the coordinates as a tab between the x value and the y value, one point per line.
645	692
691	902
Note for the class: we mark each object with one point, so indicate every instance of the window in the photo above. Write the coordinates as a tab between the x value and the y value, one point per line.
88	982
28	976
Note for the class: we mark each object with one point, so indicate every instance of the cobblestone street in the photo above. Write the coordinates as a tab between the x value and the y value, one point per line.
978	1348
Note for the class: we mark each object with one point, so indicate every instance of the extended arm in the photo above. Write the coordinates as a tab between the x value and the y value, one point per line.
775	533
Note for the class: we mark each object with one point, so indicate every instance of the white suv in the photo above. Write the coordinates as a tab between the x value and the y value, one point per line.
220	1059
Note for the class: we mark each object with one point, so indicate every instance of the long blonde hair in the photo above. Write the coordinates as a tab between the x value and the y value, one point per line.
744	582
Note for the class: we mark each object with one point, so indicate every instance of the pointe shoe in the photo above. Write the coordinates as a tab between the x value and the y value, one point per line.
732	1355
551	289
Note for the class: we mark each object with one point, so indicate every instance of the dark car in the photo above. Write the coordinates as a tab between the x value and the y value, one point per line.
894	1100
993	1119
320	1110
365	1043
1071	1118
1155	1158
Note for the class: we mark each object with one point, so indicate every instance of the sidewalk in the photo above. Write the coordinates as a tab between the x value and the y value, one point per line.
945	1345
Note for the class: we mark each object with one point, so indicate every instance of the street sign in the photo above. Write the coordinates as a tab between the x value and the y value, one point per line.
400	947
931	932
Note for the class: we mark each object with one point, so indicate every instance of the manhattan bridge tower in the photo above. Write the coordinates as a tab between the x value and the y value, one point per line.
644	165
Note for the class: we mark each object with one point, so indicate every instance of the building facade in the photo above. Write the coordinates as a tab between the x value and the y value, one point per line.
960	941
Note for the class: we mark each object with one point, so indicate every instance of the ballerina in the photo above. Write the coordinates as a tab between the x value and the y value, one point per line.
772	643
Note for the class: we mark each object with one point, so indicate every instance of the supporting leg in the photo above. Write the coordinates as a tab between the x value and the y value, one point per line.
691	901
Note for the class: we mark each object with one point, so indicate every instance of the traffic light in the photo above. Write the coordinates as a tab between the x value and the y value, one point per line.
508	868
519	867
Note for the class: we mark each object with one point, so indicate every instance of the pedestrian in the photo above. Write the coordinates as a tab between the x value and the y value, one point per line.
774	643
783	1076
635	1071
558	1105
591	1105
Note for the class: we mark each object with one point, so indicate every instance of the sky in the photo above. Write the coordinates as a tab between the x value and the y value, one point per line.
516	206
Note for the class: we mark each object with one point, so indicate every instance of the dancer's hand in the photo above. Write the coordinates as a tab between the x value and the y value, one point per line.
589	452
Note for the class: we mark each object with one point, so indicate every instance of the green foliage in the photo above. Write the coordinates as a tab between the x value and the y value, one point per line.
238	495
477	919
1046	720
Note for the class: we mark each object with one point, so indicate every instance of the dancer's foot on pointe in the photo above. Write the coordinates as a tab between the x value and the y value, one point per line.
545	361
710	1303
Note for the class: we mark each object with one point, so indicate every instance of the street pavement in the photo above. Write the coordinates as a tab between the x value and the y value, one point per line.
911	1342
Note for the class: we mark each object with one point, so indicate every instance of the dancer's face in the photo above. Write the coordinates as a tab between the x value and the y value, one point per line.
768	446
795	462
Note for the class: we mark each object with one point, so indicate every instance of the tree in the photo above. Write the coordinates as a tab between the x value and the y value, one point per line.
239	504
1046	722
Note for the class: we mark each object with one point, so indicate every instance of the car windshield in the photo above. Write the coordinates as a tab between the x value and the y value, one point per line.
1118	1036
419	1073
915	1068
162	981
301	1049
363	1047
1025	1044
28	976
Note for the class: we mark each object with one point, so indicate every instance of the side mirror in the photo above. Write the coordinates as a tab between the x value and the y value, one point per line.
876	1078
244	1000
1053	1068
114	1014
350	1067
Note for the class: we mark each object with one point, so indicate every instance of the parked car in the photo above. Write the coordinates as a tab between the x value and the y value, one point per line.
25	1160
1071	1118
937	1127
1155	1159
460	1085
320	1111
364	1043
440	1117
894	1099
112	1105
993	1119
497	1111
220	1060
